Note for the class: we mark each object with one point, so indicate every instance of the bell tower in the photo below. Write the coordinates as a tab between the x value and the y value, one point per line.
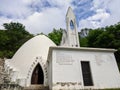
71	27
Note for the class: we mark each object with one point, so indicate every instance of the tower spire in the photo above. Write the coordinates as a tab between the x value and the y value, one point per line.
70	37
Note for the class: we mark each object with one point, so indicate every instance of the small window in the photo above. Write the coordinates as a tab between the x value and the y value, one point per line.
71	25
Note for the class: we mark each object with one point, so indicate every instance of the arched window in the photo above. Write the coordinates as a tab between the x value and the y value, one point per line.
71	25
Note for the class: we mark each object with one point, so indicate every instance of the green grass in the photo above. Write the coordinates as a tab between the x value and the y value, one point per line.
111	89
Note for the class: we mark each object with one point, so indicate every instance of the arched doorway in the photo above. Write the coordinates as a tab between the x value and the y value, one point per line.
37	75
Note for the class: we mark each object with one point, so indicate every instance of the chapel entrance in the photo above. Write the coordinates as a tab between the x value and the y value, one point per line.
37	75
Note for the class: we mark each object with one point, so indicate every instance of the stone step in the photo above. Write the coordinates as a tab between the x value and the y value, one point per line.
36	87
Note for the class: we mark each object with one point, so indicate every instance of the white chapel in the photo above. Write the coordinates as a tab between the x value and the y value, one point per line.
66	67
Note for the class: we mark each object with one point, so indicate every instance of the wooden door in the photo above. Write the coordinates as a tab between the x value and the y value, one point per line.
37	76
86	72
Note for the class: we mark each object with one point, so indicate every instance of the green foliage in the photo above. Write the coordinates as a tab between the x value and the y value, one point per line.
83	42
56	36
92	37
12	38
108	37
107	89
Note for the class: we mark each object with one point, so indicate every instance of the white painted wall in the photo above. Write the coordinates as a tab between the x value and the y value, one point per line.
50	72
66	69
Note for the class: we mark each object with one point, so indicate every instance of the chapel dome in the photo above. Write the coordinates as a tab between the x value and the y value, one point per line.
38	46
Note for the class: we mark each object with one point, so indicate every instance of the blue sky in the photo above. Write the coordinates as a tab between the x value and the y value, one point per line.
44	15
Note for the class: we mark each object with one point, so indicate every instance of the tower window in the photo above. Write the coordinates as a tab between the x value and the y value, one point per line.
71	25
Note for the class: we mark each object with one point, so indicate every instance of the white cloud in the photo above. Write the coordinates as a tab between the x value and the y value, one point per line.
14	9
113	7
45	21
107	13
100	15
60	3
95	20
38	17
24	11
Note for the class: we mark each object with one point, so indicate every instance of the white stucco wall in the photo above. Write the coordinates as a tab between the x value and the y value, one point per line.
50	72
67	73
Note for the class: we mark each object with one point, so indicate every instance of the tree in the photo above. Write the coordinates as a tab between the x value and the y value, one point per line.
12	38
83	42
56	36
93	36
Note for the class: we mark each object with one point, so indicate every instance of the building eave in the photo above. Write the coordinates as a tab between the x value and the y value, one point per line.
82	48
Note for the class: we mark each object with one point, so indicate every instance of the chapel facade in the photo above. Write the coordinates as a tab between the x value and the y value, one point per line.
67	67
